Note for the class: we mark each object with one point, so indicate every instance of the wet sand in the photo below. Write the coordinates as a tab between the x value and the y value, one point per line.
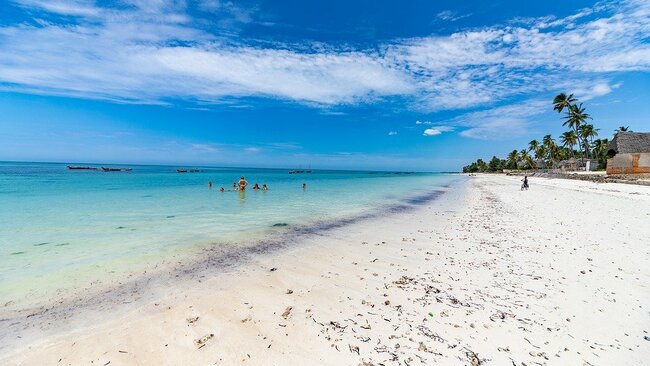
555	275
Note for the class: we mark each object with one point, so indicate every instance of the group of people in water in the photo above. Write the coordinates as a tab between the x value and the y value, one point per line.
243	183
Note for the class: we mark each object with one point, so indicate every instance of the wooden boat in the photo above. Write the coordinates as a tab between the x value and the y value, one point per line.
73	167
109	169
181	170
299	171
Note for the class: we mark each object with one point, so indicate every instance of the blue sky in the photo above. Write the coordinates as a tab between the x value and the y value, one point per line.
409	85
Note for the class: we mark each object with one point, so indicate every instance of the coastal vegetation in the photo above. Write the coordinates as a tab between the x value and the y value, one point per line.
548	153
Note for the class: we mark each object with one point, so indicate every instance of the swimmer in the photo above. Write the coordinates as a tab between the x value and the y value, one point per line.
264	187
221	189
242	184
304	186
210	185
256	187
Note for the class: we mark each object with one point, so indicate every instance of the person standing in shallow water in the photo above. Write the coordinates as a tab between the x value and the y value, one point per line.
242	184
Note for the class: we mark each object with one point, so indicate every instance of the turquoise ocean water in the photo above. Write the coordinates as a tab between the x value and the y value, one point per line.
61	227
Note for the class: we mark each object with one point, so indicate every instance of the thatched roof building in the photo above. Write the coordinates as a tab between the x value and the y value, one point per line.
629	153
573	164
629	142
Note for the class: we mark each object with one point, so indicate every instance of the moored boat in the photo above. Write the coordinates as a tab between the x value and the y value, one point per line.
110	169
74	167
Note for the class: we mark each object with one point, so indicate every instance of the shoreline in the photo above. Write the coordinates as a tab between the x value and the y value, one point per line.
137	289
489	274
596	177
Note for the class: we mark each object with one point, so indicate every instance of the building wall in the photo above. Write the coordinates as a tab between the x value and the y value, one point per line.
629	164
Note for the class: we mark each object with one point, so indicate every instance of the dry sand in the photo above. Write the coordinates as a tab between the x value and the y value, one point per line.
488	275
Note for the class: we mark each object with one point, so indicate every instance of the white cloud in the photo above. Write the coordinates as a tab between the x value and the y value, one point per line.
392	133
431	132
153	52
598	89
64	7
253	149
437	130
327	78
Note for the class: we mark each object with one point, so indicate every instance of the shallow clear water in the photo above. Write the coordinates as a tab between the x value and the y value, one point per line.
60	226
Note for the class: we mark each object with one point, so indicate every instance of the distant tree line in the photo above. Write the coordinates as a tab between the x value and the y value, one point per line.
547	152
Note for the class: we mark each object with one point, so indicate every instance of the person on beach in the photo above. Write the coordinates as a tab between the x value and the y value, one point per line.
264	187
242	184
525	184
256	187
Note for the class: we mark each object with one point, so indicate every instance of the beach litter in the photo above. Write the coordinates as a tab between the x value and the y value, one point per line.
287	312
201	342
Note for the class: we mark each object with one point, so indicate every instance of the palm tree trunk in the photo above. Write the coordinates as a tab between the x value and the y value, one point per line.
580	144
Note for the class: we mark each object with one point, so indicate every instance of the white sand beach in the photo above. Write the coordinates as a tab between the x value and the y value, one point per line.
485	275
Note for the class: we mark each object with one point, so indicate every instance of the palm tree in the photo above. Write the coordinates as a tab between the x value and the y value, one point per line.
561	101
622	129
513	157
525	157
563	153
569	140
588	132
541	153
533	146
600	147
576	117
550	147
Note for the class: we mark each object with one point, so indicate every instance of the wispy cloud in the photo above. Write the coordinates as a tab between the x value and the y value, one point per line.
451	16
63	7
204	148
392	133
284	145
502	122
154	52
